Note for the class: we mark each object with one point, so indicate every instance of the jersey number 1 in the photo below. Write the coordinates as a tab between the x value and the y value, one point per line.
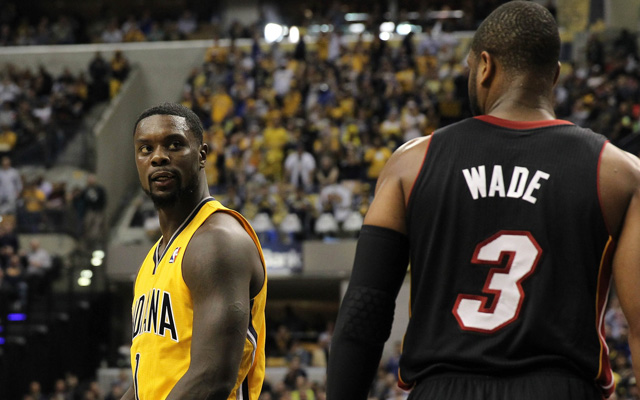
505	283
135	377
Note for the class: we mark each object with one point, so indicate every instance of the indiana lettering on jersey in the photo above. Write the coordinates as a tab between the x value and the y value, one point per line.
522	184
153	313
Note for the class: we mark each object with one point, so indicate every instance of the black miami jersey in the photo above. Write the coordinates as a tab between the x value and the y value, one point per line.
510	254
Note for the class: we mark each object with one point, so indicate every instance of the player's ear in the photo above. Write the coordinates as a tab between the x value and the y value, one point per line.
203	151
486	68
557	75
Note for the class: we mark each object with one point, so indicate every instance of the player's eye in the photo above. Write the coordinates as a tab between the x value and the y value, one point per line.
175	145
145	149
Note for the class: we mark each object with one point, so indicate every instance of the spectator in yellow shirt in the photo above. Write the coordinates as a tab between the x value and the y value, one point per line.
391	128
406	77
34	200
322	46
275	139
216	53
8	139
376	157
119	72
221	105
275	135
292	101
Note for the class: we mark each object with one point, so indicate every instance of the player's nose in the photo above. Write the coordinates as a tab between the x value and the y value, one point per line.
159	158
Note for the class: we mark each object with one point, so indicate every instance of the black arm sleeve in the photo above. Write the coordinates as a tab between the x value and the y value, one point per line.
365	317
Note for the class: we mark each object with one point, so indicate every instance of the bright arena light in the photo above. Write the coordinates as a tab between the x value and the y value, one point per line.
84	281
273	32
356	28
96	262
294	34
387	27
385	36
351	17
403	29
98	254
86	273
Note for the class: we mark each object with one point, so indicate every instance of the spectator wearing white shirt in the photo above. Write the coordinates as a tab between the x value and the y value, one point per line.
335	199
8	89
282	79
112	33
299	167
7	114
187	24
414	123
38	259
10	187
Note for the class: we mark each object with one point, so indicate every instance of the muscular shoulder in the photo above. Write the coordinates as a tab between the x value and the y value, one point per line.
394	185
406	162
220	247
409	153
619	180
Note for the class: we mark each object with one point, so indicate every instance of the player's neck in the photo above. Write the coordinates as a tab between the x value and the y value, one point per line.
520	98
171	217
522	106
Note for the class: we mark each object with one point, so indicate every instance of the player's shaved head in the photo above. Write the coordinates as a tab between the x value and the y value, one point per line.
193	122
523	36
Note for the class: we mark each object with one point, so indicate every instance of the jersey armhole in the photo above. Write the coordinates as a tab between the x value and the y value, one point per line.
424	158
254	237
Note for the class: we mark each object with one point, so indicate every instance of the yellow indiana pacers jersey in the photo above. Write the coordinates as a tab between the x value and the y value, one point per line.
163	318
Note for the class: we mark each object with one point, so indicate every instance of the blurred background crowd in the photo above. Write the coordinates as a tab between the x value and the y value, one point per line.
298	134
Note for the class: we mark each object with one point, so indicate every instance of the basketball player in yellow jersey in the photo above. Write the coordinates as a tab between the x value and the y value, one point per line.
198	308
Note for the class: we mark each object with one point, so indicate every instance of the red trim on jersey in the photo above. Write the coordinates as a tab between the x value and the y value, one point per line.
401	383
404	385
506	123
509	255
419	171
604	379
598	187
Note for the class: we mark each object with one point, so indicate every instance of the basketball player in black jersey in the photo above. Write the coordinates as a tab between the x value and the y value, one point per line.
514	223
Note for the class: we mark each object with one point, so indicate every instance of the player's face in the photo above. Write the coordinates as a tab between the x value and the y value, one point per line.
168	158
473	89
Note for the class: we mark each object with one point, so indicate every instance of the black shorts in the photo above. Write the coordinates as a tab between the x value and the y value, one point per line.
542	386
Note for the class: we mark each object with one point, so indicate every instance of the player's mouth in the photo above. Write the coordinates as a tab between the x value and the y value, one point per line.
162	179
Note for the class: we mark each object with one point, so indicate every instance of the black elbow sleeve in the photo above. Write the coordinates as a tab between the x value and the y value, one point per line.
366	315
379	268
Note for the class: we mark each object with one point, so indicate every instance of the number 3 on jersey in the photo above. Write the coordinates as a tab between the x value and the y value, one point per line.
505	283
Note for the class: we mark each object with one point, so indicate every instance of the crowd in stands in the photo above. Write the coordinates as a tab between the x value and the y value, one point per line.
16	30
65	27
297	136
604	93
70	387
39	115
24	273
301	135
44	207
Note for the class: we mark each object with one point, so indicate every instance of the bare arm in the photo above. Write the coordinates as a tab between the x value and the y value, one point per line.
626	269
220	267
620	182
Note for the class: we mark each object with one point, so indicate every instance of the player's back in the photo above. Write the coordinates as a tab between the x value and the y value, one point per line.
510	255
